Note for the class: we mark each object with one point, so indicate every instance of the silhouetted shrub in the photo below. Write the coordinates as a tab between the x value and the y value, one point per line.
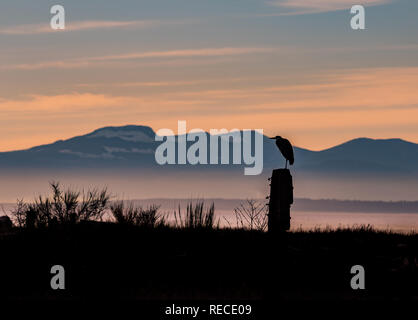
6	224
63	207
138	216
252	215
122	214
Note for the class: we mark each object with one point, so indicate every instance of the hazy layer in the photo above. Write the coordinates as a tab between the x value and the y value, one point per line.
210	184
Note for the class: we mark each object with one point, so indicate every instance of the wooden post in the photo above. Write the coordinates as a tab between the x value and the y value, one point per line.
281	198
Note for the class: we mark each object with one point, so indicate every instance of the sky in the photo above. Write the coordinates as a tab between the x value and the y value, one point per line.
290	67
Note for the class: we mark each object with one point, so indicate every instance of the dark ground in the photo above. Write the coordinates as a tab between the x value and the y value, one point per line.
110	262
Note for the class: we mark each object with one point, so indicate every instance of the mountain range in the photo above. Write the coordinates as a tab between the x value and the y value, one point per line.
134	146
123	159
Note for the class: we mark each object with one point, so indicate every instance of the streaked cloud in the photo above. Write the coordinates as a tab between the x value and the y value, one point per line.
206	52
183	53
298	7
138	84
345	90
340	90
40	106
164	83
31	29
356	101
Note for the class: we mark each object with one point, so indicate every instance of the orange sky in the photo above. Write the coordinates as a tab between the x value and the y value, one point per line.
290	67
373	102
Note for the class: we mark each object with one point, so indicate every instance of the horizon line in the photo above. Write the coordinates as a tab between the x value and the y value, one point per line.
241	130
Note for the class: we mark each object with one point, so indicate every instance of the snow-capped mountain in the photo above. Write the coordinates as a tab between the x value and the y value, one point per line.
134	146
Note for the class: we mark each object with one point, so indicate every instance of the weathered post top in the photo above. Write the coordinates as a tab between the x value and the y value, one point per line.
281	198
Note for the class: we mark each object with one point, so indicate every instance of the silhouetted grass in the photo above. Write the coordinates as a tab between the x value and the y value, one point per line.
110	260
149	217
129	255
357	228
196	217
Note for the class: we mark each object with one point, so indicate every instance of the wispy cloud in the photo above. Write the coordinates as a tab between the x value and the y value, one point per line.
30	29
353	89
330	102
139	84
205	52
159	84
299	7
184	53
358	89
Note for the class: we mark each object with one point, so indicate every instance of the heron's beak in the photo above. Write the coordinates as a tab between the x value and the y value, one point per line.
274	138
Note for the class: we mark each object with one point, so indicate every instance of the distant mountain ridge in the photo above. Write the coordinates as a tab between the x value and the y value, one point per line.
363	155
133	146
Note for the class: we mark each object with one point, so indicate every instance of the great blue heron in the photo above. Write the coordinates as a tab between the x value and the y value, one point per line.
285	148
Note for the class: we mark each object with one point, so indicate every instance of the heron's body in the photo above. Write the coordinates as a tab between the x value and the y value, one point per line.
285	148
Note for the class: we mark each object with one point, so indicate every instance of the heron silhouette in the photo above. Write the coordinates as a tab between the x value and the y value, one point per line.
285	148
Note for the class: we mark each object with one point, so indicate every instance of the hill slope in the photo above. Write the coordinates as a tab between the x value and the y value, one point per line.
133	146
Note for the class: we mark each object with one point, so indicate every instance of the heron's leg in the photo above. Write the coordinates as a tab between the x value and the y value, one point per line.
285	165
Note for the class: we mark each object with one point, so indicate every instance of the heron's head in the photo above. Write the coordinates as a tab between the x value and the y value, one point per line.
276	137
